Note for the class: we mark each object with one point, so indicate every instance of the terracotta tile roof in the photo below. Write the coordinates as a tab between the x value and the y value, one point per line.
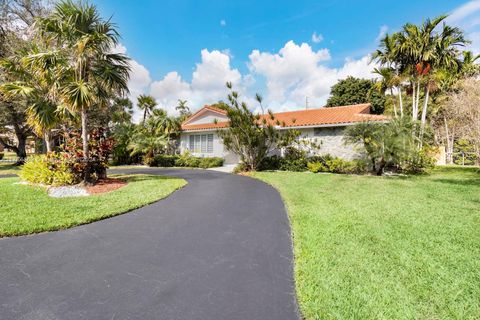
307	118
204	126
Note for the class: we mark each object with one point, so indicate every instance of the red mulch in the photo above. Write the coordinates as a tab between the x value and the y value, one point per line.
106	185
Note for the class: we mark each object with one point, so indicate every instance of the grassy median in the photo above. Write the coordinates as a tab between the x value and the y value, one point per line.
26	209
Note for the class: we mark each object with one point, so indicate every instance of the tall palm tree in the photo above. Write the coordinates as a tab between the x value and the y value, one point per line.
391	72
147	104
183	108
418	52
390	81
91	73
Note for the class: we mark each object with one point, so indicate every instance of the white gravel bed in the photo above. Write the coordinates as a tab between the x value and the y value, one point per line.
69	191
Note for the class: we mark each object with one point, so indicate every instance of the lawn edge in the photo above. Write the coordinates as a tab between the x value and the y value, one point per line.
60	228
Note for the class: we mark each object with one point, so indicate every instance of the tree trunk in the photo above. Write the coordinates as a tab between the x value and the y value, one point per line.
48	140
394	103
417	101
86	154
21	150
414	94
424	113
401	100
380	167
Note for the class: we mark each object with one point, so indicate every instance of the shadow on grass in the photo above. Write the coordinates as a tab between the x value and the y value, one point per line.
460	182
140	177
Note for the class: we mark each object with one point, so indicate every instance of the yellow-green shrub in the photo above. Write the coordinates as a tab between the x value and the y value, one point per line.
52	169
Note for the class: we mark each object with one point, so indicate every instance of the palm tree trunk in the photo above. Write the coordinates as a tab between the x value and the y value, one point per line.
417	100
86	154
414	94
48	140
394	103
400	98
424	112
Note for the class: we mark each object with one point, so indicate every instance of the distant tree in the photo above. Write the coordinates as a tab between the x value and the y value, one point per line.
183	109
355	91
147	104
461	116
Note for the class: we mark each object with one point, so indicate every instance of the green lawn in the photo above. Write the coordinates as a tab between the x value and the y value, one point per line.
26	209
385	247
8	168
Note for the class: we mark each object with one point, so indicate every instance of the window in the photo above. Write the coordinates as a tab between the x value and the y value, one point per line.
201	143
210	143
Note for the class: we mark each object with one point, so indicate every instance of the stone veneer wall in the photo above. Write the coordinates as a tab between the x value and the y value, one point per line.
332	143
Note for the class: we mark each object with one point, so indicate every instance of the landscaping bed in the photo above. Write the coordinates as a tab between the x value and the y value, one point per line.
371	247
26	209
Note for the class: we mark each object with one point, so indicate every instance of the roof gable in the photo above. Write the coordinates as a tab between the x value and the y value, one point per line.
206	110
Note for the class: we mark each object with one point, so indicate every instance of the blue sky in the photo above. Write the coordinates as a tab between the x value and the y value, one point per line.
266	46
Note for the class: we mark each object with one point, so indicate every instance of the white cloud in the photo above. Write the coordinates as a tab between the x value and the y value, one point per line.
467	17
207	85
383	31
464	11
293	73
317	38
139	81
223	23
296	72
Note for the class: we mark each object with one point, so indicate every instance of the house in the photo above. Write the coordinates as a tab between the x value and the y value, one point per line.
324	125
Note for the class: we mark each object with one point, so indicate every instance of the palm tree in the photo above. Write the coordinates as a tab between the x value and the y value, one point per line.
147	143
418	52
183	109
147	104
392	71
37	82
389	82
91	73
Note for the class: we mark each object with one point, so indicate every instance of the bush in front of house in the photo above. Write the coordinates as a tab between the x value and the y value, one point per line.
53	169
185	160
210	162
163	160
338	165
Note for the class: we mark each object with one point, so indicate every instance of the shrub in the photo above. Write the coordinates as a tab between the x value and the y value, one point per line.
419	162
100	148
210	162
316	167
337	165
164	161
241	167
297	165
187	160
52	169
270	163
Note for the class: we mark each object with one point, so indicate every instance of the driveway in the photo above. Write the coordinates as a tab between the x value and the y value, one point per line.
217	249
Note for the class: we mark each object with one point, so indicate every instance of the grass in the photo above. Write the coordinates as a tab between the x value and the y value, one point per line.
26	209
8	168
385	247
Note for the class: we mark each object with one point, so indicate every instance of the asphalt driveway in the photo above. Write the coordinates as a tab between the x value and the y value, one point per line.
219	248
